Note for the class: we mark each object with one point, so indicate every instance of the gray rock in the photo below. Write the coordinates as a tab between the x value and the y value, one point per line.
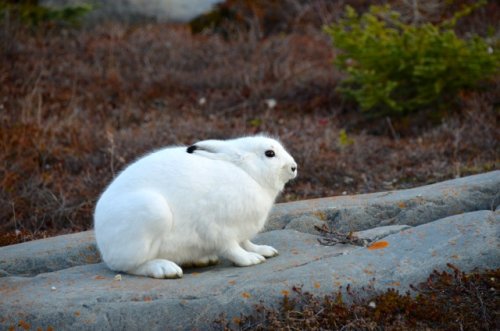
89	297
356	213
411	207
51	254
138	10
305	224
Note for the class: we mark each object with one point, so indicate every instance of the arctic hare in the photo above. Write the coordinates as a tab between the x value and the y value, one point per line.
190	205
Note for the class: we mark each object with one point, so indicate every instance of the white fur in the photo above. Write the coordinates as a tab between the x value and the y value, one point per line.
174	208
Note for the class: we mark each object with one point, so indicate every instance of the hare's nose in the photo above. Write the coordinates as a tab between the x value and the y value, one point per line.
294	168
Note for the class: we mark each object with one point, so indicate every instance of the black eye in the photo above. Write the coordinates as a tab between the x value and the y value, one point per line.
270	153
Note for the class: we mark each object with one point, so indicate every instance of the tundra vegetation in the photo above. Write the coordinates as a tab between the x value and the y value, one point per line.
447	300
79	101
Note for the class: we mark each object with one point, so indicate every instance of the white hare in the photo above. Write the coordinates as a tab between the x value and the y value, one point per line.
188	206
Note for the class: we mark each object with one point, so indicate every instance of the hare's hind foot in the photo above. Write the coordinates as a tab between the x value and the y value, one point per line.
203	262
158	268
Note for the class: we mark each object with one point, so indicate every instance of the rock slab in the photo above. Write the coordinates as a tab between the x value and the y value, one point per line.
59	283
89	297
413	207
345	213
46	255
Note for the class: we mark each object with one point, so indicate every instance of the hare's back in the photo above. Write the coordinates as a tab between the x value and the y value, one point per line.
175	173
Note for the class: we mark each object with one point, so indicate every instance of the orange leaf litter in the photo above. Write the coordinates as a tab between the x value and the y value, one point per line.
378	245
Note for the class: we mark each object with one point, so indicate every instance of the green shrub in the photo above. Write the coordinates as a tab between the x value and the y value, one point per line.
32	14
397	68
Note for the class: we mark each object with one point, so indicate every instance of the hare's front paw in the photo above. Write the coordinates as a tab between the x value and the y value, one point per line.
241	257
248	259
158	268
264	250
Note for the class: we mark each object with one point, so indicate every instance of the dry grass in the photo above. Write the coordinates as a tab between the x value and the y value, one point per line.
76	105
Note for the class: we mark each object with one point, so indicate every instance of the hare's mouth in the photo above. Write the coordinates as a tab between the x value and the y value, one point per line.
292	173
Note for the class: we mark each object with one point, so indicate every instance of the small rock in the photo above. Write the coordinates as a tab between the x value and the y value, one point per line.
271	103
348	180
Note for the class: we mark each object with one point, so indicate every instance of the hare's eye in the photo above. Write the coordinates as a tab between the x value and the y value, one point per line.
270	153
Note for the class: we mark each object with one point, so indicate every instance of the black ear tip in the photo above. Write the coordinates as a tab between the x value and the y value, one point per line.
191	149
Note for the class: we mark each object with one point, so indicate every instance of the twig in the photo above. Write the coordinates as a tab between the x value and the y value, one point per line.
111	150
395	136
484	313
332	237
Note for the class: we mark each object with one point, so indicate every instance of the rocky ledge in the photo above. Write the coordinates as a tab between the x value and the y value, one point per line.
60	283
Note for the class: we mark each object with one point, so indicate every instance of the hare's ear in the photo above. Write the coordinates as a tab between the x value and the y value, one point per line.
216	150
